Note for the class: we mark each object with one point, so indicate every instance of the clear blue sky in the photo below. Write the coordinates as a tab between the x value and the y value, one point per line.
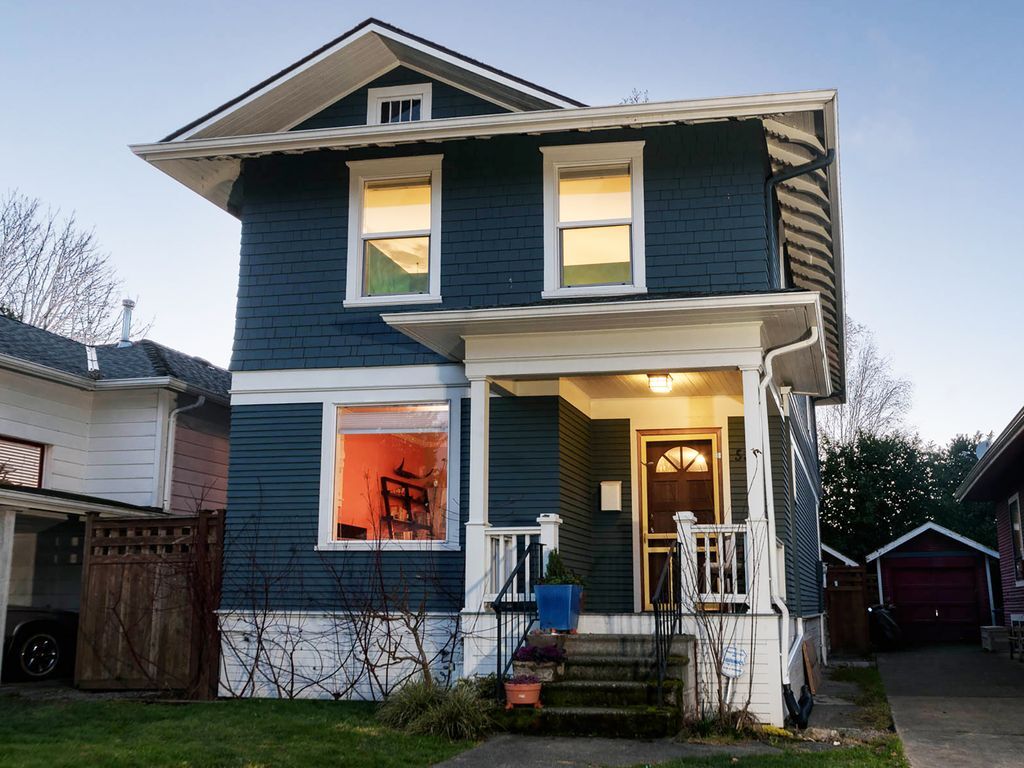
931	110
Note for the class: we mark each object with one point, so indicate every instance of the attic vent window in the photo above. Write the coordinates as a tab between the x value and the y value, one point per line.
398	104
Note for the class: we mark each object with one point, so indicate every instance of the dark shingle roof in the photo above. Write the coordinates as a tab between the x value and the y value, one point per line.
143	359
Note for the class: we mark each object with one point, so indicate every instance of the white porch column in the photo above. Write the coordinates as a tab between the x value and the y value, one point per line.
688	560
759	548
6	556
479	465
548	523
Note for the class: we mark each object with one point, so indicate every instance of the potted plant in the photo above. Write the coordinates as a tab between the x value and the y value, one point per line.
558	596
522	689
545	662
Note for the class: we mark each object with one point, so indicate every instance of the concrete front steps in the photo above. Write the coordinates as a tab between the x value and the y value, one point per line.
610	688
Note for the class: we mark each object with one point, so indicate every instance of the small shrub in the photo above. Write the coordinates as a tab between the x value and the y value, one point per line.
463	712
560	573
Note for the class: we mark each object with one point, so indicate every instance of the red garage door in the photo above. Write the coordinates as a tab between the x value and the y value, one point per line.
937	604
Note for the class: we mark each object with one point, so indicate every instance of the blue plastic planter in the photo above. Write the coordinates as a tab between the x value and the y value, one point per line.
558	606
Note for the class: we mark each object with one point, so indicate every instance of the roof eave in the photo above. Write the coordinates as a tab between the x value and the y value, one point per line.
1013	431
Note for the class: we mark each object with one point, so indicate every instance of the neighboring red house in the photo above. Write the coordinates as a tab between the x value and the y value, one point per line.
944	585
999	477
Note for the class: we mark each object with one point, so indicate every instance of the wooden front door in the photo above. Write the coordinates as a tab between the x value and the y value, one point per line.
680	472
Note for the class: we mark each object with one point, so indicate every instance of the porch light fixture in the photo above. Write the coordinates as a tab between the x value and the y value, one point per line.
659	382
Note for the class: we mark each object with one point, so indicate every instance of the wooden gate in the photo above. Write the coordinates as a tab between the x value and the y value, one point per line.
849	590
150	588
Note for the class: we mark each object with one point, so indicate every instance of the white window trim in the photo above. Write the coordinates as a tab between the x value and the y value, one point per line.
362	171
556	158
325	528
1014	499
374	96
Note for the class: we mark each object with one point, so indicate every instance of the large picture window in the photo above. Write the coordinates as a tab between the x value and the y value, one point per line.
593	211
21	463
394	231
391	473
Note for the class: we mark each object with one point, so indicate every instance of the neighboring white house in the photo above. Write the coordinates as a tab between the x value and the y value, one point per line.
133	428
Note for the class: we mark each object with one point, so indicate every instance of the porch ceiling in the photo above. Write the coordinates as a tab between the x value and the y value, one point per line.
629	337
684	384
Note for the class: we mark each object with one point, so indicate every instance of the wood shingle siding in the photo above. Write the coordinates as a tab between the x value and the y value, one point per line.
704	221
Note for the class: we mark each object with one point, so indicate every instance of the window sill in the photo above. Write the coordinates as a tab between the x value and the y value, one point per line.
387	546
391	301
593	291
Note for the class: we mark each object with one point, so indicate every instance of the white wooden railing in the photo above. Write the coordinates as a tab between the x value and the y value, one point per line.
503	547
716	562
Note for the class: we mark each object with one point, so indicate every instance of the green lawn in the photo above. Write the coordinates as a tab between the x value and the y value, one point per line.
249	734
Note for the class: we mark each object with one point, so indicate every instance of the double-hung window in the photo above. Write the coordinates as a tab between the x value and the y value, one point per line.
394	224
1016	536
594	219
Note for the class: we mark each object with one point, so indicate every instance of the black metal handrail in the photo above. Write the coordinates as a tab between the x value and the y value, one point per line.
515	608
668	614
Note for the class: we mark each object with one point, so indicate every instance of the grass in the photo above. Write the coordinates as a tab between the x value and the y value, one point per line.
886	753
248	734
875	712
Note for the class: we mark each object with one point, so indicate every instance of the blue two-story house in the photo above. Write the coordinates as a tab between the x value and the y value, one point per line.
475	314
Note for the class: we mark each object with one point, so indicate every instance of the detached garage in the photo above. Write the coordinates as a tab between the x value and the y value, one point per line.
941	584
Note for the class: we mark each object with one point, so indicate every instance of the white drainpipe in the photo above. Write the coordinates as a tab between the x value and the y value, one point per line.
172	423
786	651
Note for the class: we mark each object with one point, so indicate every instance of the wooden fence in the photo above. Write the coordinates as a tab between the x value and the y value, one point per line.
849	590
150	588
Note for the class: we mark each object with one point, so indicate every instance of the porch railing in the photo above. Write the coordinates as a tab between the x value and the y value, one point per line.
715	561
515	607
668	608
503	548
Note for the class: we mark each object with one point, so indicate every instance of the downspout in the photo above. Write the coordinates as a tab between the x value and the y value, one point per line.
172	422
769	197
799	711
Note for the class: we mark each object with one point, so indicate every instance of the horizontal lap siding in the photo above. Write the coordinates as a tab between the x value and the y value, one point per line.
610	587
778	439
808	545
704	222
737	469
523	460
577	498
446	101
271	528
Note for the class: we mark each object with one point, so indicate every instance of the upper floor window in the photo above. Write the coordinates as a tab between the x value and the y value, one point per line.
394	231
594	219
1016	536
398	104
21	463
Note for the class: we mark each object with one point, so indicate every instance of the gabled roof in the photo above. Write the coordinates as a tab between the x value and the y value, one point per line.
348	62
839	556
931	525
25	344
1005	455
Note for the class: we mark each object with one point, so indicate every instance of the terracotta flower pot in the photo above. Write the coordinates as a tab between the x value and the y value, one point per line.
522	694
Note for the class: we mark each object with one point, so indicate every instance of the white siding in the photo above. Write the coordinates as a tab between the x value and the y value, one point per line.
200	471
55	415
126	442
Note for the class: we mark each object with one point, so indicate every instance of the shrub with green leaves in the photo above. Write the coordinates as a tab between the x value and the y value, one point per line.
459	713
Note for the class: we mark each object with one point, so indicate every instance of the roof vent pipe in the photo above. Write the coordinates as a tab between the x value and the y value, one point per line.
126	323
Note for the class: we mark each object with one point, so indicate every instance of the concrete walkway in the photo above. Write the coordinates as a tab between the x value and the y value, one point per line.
956	706
509	751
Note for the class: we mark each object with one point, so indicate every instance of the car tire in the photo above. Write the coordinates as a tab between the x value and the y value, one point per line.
37	653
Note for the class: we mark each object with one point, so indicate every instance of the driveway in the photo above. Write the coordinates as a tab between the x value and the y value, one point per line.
956	706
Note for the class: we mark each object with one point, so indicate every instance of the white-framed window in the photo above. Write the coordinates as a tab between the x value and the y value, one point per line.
594	220
389	475
1016	537
394	231
398	104
21	462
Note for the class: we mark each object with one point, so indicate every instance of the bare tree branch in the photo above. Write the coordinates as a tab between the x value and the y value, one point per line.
876	399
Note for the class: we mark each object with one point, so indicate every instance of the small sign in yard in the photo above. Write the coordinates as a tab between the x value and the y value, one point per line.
734	661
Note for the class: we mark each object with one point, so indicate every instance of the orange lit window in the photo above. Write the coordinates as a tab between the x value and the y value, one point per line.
391	472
